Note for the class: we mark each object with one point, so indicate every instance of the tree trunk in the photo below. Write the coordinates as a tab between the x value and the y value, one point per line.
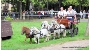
59	3
47	4
80	6
18	6
20	10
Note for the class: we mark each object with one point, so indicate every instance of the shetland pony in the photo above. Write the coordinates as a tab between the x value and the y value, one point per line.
39	34
26	31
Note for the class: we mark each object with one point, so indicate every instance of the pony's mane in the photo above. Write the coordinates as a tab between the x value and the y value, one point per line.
34	28
25	27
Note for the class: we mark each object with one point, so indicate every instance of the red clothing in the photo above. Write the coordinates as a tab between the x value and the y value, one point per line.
39	12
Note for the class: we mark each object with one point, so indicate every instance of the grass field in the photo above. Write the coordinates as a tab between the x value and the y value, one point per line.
17	40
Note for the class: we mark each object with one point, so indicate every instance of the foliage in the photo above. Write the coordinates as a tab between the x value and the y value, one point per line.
8	18
17	40
24	1
70	2
76	2
85	3
41	3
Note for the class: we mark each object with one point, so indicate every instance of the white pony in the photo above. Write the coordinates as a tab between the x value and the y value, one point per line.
45	25
39	34
58	28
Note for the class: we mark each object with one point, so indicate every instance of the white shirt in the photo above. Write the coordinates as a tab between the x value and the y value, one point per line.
81	13
42	12
51	11
24	14
71	13
62	13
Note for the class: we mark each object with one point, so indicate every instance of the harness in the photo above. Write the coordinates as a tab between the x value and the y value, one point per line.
59	28
38	33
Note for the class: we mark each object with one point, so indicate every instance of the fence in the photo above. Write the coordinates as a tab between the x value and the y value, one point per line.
35	14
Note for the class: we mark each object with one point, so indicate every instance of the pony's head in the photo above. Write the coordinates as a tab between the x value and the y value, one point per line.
44	25
23	30
53	24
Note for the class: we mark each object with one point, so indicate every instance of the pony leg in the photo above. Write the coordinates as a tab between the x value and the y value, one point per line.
64	33
58	35
35	40
54	36
25	39
30	40
38	40
48	38
45	39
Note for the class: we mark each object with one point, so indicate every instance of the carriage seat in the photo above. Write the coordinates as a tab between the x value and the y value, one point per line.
71	18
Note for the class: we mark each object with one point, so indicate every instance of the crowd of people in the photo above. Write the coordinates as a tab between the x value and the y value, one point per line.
82	14
62	12
50	13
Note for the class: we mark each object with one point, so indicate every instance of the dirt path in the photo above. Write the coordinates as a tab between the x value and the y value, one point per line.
47	19
34	20
73	45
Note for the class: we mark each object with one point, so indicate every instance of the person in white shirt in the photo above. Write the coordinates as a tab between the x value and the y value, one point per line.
84	15
68	11
81	14
24	14
62	13
51	13
71	13
42	12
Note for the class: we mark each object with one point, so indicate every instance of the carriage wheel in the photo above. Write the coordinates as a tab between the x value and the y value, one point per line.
76	30
72	32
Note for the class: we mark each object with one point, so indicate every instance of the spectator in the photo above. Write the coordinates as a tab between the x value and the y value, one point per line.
32	12
5	12
84	15
81	14
39	13
24	14
51	13
68	11
13	15
42	12
27	12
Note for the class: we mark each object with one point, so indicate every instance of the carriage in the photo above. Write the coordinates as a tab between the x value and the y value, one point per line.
70	24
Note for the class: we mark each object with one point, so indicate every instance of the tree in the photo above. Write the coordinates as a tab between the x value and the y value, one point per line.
20	9
80	3
70	2
41	3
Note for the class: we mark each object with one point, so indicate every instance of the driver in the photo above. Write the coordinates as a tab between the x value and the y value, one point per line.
62	13
71	14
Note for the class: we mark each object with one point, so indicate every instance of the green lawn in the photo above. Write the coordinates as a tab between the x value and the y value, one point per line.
17	40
